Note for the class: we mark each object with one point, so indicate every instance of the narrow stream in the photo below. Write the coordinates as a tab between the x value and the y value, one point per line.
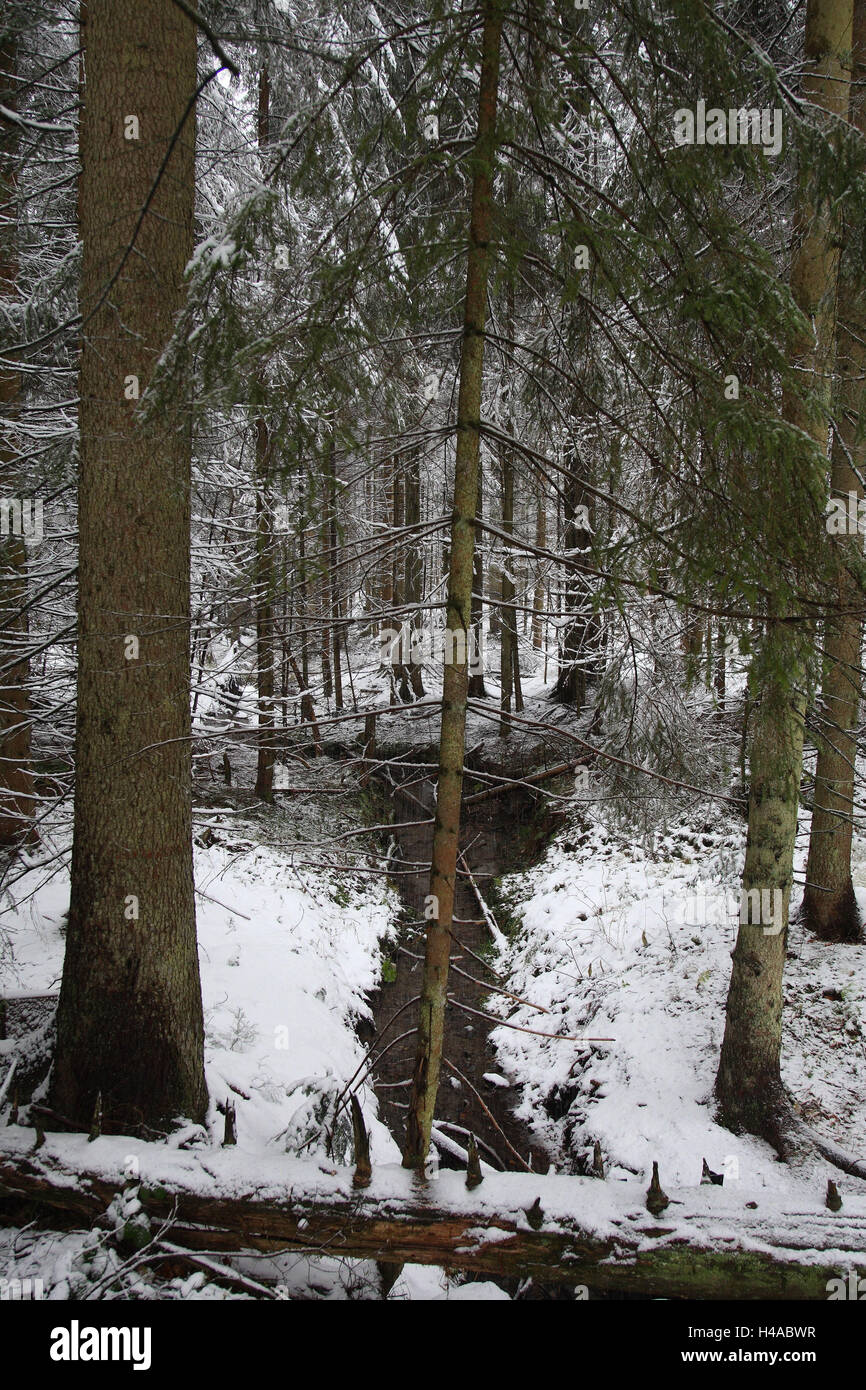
470	1099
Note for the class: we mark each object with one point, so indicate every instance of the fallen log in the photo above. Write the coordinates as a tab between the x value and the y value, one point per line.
563	1230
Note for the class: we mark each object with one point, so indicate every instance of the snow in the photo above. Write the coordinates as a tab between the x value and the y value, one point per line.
794	1226
287	957
483	1291
282	992
620	937
631	941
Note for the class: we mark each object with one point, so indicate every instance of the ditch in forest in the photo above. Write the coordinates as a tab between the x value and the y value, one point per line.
498	835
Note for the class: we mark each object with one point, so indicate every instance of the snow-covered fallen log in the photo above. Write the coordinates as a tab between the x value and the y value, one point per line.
707	1244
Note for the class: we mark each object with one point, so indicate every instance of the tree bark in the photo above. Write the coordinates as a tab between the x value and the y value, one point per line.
414	576
16	769
748	1084
581	635
401	684
264	560
733	1253
720	675
264	602
477	688
325	604
452	745
829	904
303	585
331	503
539	621
508	635
129	1022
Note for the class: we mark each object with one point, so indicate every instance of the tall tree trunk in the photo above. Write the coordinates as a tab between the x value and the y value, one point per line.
508	637
452	745
692	644
303	584
515	675
581	635
829	904
264	559
406	674
477	688
264	602
286	630
325	600
509	676
539	622
398	570
414	576
16	772
129	1021
331	484
386	568
720	677
748	1084
401	687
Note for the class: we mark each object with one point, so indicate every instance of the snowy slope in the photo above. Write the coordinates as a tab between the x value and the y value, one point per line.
631	942
287	956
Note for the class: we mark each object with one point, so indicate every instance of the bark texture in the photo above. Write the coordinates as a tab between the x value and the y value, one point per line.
264	557
829	904
508	632
580	642
497	1229
425	1080
129	1023
16	771
748	1084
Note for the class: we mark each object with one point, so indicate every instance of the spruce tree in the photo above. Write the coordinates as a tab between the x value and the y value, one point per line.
452	741
748	1084
16	771
829	904
129	1023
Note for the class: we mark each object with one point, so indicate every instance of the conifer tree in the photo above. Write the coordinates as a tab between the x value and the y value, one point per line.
829	904
16	773
129	1023
748	1084
452	742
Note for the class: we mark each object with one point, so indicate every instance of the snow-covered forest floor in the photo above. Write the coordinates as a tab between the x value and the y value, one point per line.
288	954
620	940
432	688
614	934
